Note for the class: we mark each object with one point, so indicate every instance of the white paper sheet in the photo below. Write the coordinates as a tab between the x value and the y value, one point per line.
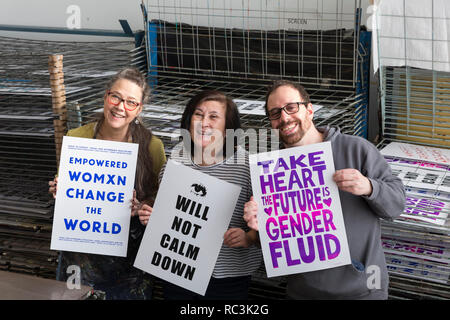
415	33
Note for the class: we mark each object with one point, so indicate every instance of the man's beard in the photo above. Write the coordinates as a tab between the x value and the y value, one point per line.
299	134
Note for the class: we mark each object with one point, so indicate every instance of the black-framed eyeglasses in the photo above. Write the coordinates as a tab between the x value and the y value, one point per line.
289	108
115	100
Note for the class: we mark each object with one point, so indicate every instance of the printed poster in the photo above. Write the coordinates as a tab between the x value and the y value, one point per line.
422	178
426	209
419	269
418	152
95	189
184	234
300	220
430	251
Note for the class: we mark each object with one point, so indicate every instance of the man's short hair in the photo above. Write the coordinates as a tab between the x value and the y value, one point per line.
280	83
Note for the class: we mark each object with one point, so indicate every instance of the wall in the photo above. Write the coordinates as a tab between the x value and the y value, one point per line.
98	14
104	14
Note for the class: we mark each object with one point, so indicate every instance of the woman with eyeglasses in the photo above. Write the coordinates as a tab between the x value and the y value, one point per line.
206	120
123	102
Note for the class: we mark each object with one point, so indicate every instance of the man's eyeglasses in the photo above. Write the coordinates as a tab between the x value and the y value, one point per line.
289	108
115	100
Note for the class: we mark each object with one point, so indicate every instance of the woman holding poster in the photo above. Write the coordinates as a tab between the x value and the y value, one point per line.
205	121
123	101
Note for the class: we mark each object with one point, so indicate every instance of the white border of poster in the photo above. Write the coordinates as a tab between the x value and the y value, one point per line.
93	201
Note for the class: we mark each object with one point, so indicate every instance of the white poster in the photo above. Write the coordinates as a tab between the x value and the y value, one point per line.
417	152
422	178
432	250
426	209
300	220
185	231
95	189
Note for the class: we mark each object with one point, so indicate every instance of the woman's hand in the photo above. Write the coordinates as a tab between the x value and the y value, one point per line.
237	238
251	214
53	186
144	214
135	205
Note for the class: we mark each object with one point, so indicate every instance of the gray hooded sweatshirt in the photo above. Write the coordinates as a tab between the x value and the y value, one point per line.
362	224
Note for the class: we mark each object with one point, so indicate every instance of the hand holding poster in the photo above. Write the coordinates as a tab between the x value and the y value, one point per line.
185	232
299	212
95	187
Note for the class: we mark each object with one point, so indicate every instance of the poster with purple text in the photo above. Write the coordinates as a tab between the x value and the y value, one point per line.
299	211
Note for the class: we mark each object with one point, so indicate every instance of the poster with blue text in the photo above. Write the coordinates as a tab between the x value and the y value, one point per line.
95	188
300	220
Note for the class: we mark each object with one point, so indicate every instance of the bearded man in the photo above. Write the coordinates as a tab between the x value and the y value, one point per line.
368	192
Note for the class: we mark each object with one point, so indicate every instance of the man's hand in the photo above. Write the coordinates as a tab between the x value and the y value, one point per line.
351	180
